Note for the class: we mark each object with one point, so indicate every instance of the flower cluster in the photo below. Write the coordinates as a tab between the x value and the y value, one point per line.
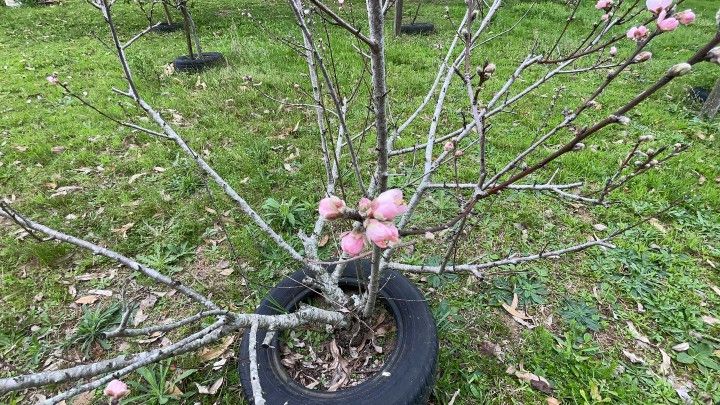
377	216
665	21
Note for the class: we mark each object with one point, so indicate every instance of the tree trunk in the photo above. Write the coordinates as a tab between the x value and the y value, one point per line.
712	104
398	16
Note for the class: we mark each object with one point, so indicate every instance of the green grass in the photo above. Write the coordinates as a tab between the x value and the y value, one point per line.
659	278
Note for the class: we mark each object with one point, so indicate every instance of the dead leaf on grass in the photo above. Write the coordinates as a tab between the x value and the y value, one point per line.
87	299
665	365
634	358
658	225
211	353
681	347
65	190
536	381
637	335
123	230
710	320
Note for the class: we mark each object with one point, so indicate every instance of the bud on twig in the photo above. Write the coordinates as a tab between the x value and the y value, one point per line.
643	56
714	55
474	15
680	69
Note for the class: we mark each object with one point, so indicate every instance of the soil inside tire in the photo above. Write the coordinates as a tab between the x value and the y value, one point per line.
340	358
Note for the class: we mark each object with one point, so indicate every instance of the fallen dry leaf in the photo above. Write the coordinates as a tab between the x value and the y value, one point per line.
123	230
536	381
135	177
637	335
665	365
211	353
659	226
710	320
87	299
681	347
65	190
634	358
104	293
512	309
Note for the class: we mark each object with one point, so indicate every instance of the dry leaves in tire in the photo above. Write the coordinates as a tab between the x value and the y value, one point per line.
348	359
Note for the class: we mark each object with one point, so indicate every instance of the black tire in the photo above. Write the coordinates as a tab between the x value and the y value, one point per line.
167	27
411	365
417	28
200	63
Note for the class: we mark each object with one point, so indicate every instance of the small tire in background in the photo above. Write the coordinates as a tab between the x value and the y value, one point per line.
417	28
163	28
200	63
408	375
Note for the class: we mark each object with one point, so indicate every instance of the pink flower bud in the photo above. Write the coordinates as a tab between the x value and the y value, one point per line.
489	69
388	205
116	389
448	146
383	234
666	24
680	69
331	207
613	51
459	153
603	4
685	17
637	33
52	79
352	243
656	6
605	17
643	56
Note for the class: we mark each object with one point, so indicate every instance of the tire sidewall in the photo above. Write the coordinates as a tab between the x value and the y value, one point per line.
206	60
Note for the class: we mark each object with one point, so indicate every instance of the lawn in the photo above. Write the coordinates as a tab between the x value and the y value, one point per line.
64	165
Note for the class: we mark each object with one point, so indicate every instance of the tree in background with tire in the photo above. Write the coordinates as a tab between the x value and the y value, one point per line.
375	178
196	60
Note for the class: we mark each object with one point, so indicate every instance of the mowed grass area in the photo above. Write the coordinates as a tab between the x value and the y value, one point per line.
65	166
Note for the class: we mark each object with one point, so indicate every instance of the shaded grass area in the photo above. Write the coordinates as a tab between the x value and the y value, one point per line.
659	278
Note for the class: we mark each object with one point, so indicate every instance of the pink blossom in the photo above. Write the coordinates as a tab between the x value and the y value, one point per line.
685	17
656	6
383	234
666	24
605	17
365	207
448	146
459	153
603	4
52	79
613	51
352	243
331	207
637	33
388	205
116	389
